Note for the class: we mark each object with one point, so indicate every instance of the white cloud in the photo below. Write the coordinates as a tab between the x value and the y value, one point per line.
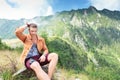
49	10
107	4
24	9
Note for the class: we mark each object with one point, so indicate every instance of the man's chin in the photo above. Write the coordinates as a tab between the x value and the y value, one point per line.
33	34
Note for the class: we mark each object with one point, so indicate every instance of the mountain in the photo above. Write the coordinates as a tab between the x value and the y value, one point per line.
87	40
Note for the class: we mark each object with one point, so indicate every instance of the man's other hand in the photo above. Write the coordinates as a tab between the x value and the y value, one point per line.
42	58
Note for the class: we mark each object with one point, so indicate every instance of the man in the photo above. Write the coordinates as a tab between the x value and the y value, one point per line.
35	53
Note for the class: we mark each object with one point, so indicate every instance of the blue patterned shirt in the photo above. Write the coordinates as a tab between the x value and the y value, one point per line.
33	51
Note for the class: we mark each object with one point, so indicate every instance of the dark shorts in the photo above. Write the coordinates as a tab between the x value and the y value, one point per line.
30	60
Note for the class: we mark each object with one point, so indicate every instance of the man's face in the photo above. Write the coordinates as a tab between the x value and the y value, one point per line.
33	31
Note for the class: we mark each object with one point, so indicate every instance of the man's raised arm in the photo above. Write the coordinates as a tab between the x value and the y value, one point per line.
19	33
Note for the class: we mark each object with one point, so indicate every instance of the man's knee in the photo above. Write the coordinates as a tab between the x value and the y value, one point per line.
35	65
54	55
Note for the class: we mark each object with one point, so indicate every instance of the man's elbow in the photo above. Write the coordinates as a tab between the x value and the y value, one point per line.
17	32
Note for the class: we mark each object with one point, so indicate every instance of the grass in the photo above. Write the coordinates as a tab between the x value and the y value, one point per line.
9	64
8	57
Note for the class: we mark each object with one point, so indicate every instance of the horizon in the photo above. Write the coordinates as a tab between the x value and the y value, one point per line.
58	12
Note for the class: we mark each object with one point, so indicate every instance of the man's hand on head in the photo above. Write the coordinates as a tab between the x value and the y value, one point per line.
28	25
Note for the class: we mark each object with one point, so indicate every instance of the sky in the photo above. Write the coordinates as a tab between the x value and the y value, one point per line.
17	9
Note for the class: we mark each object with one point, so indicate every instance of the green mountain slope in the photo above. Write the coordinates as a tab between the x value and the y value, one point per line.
8	27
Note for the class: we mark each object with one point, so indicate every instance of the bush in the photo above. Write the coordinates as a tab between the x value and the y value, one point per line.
69	58
104	73
3	46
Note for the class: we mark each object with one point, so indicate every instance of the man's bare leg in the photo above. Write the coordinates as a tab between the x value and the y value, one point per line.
53	58
39	72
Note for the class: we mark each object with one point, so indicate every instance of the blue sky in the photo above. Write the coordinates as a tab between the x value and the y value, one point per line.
17	9
12	4
60	5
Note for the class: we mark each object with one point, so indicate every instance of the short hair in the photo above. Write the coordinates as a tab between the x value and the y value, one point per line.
33	25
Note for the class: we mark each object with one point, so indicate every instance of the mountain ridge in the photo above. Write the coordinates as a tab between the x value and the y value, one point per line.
64	15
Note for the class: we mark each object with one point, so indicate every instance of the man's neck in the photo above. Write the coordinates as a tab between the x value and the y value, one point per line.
34	36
